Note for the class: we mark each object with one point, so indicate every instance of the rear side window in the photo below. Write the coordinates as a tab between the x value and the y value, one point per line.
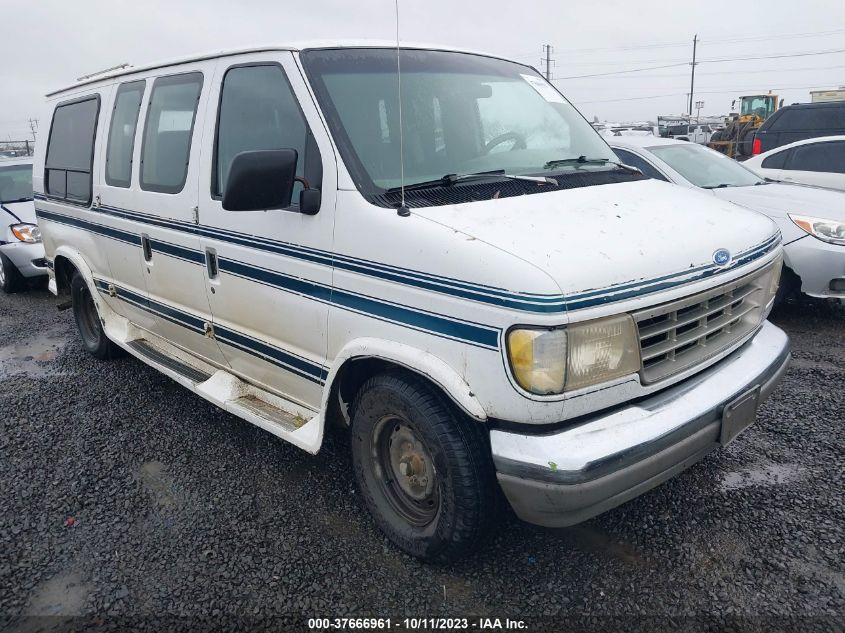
828	157
629	158
124	119
775	161
807	119
168	128
70	150
258	110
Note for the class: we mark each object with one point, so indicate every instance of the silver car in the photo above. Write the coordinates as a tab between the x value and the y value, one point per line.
21	251
811	219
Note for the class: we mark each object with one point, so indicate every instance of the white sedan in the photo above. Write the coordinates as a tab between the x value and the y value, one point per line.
811	219
21	250
813	161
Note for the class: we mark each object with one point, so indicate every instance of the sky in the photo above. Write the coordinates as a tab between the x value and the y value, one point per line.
799	46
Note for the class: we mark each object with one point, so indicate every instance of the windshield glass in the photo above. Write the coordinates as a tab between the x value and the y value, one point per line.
762	105
15	182
703	167
461	114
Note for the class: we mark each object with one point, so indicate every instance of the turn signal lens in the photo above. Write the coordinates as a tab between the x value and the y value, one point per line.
538	359
28	233
601	350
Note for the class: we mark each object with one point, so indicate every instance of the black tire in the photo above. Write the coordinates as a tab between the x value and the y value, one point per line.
746	143
399	419
11	279
789	288
716	136
88	322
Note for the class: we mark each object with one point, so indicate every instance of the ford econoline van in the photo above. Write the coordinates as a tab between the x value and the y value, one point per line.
471	283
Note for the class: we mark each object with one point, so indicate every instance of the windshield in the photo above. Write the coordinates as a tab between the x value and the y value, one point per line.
461	114
15	183
703	167
762	105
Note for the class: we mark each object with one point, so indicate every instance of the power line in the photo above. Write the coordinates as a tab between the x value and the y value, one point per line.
741	72
832	51
753	38
683	94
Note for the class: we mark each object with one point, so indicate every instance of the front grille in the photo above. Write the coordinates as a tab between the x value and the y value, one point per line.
679	334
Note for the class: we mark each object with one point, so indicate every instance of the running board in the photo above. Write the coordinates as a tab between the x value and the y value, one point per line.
143	347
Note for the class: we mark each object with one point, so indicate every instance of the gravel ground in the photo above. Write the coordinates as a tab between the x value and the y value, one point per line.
183	511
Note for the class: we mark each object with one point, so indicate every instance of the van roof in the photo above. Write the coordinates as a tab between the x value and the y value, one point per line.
295	46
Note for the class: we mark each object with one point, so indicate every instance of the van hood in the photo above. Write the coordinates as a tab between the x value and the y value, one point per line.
777	199
592	238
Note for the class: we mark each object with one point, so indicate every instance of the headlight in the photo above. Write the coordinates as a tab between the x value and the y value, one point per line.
602	350
549	361
28	233
831	231
538	359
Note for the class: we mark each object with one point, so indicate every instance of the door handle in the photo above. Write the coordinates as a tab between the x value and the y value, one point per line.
211	266
147	248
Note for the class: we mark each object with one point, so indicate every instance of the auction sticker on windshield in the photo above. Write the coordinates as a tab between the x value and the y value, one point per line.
544	88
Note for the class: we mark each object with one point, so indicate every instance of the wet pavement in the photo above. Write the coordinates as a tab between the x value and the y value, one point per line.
125	496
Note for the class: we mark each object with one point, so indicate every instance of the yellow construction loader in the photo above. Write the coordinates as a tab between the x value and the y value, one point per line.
737	139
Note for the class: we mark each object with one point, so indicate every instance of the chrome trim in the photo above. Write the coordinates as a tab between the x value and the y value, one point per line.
681	334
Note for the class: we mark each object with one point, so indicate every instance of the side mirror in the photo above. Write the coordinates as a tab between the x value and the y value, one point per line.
261	179
309	201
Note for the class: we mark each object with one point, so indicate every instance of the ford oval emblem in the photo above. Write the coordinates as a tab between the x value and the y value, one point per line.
722	257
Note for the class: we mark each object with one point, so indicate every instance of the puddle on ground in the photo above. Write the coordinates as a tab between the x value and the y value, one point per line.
156	481
33	356
64	594
591	540
768	475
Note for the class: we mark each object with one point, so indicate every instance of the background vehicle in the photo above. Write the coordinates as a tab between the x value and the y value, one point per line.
812	220
738	136
825	96
683	129
21	251
815	161
798	122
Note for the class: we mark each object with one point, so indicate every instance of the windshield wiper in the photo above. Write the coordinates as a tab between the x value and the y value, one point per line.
721	186
583	160
451	179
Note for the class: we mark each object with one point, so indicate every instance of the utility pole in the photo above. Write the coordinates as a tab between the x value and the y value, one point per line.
692	78
33	126
547	48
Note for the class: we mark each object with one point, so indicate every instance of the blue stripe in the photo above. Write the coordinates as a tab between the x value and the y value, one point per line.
180	252
279	357
440	325
107	231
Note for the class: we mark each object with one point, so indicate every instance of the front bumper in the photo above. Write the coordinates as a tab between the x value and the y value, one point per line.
27	258
569	476
817	263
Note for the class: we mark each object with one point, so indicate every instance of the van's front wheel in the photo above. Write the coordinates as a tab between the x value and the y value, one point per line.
424	472
88	320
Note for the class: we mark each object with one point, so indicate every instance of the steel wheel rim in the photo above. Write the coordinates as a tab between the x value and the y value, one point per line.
405	471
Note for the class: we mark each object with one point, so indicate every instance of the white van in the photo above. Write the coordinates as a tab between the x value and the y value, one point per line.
536	313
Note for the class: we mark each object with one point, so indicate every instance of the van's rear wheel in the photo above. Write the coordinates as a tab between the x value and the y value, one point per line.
88	320
425	473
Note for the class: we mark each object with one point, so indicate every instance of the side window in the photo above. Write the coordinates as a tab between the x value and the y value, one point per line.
258	110
629	158
827	156
124	119
168	128
70	150
775	161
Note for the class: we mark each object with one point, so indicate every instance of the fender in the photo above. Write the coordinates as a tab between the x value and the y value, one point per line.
417	361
